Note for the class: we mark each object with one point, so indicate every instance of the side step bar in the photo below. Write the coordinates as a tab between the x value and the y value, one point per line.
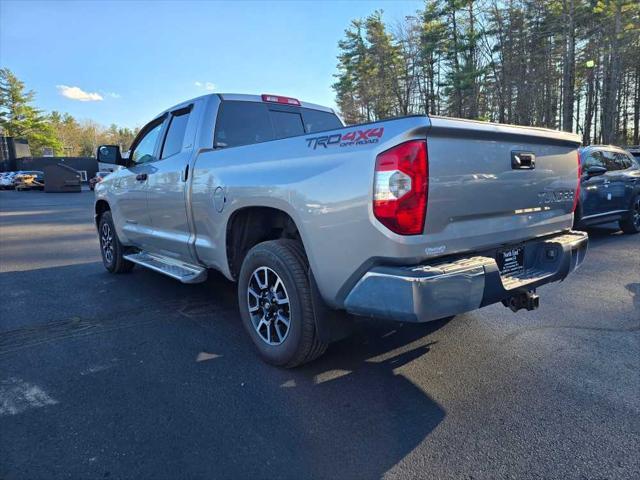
171	267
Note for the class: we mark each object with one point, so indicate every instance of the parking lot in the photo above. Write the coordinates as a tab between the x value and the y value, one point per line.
137	375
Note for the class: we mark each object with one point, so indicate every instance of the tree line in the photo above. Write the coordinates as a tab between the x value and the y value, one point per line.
564	64
61	132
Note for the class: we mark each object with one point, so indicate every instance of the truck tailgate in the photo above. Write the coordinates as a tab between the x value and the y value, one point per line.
491	184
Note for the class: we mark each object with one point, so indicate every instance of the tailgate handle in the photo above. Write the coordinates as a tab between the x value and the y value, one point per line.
523	160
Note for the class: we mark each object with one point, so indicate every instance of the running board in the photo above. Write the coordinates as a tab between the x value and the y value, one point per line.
171	267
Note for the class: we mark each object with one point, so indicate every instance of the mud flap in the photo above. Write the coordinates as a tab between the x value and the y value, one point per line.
331	325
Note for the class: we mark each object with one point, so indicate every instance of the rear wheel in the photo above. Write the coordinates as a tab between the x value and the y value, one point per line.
110	247
631	222
276	306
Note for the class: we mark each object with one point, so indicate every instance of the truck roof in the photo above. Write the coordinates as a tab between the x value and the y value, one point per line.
242	97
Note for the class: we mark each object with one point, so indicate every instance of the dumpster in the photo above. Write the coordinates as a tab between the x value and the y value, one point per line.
60	178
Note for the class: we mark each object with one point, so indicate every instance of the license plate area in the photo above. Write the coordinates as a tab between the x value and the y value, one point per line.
510	260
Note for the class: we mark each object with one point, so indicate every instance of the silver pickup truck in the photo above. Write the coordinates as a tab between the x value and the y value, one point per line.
412	219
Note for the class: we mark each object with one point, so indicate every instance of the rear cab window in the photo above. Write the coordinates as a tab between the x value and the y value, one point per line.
319	121
245	123
286	124
242	123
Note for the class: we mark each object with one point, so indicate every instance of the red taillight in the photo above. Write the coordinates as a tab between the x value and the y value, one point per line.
577	195
400	187
279	99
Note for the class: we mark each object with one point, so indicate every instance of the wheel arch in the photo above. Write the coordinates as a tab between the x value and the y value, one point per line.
100	207
249	225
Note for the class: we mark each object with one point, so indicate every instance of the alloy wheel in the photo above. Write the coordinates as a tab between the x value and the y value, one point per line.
106	242
268	304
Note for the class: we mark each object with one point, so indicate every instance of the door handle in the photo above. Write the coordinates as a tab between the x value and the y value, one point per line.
141	177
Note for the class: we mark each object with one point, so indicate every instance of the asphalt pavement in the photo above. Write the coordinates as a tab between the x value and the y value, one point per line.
138	376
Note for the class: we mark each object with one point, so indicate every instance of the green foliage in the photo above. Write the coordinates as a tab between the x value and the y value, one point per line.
572	64
383	58
353	75
368	70
20	119
68	137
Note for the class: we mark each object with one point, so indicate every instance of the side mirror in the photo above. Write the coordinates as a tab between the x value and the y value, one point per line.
595	171
110	154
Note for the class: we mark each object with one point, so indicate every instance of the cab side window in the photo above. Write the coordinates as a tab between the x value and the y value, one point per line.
175	134
594	159
611	161
623	161
145	148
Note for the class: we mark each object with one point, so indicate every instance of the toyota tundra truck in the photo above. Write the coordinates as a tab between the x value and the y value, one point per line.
412	219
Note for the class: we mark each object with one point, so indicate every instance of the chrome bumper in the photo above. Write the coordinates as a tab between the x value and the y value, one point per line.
441	289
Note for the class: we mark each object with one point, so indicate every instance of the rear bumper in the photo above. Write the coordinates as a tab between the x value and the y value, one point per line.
441	289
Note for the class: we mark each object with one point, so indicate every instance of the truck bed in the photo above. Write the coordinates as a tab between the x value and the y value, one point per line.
478	199
324	182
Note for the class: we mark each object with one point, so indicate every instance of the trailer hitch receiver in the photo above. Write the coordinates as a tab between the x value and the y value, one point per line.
528	300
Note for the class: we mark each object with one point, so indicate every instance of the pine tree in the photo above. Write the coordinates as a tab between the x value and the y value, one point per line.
384	65
20	119
352	86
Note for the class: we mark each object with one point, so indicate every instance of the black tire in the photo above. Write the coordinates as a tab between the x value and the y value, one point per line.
631	222
577	218
110	247
282	260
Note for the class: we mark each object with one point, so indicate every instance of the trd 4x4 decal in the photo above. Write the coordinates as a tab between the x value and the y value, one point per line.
354	137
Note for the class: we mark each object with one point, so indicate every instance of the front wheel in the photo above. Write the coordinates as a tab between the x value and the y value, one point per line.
110	247
274	295
631	222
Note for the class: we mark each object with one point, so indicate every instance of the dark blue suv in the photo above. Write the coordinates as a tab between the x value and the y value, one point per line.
609	189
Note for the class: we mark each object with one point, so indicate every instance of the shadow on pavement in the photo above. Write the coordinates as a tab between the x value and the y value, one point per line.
603	234
634	288
116	357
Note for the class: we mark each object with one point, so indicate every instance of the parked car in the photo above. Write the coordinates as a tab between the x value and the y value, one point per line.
97	179
6	180
412	219
29	180
635	151
610	188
